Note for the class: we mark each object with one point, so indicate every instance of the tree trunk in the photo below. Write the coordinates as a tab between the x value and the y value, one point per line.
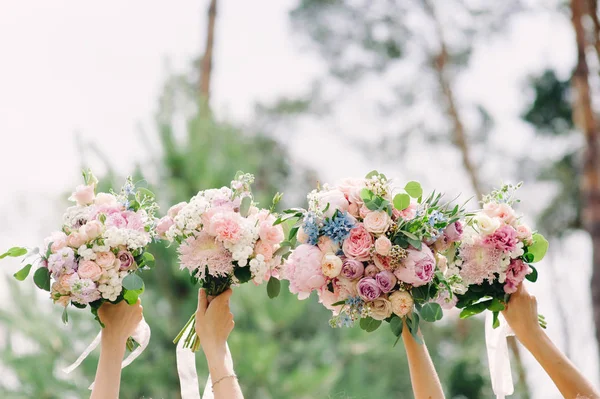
461	142
207	59
590	182
592	11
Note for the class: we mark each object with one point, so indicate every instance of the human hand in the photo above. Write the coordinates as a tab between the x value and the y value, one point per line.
214	323
521	314
120	320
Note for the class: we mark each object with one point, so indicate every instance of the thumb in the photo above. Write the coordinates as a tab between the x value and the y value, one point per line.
202	303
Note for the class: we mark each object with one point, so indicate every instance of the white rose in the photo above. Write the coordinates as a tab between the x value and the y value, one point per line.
402	303
486	224
331	265
381	308
377	222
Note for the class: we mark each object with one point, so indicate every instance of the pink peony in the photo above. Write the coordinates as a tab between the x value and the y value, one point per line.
196	253
417	268
303	270
89	269
354	210
358	244
504	238
336	201
164	224
116	219
174	210
271	234
328	298
105	260
517	270
226	226
134	221
265	249
83	195
377	222
454	231
383	245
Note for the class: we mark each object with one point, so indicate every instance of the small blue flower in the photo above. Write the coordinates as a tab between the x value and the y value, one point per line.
311	228
338	227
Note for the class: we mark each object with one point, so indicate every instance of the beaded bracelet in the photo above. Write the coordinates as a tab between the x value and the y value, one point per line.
221	379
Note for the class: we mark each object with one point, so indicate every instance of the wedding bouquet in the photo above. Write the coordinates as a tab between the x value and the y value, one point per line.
495	255
224	239
99	252
373	256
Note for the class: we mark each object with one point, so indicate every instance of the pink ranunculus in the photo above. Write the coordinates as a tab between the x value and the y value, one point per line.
358	244
105	200
105	260
134	221
454	231
116	220
265	249
333	200
75	240
417	268
164	224
89	269
126	260
409	213
226	226
524	234
92	229
83	195
501	211
174	210
517	270
383	245
303	270
271	234
377	222
504	238
371	270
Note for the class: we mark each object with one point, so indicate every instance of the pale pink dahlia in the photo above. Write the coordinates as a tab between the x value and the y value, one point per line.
515	275
480	262
203	250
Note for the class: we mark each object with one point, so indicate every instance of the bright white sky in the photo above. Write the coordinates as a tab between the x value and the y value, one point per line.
97	68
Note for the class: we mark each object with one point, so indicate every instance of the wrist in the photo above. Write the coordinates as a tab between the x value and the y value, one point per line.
529	335
215	354
114	337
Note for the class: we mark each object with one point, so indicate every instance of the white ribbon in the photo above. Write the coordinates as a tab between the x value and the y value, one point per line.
141	335
498	358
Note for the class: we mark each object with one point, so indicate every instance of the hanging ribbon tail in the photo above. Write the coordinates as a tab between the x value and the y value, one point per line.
186	368
498	357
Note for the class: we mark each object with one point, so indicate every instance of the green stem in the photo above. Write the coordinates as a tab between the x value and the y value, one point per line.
190	321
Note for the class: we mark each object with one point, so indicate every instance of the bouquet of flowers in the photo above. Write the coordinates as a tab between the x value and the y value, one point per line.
374	256
495	255
99	252
224	239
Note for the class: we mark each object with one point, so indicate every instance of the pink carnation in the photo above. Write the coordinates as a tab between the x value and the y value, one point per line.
269	233
480	262
226	226
504	239
303	270
517	270
202	251
417	268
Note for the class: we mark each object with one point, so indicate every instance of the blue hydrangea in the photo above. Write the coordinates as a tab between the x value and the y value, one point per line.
338	227
311	228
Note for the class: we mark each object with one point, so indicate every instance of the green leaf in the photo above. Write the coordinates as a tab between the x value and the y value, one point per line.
496	322
369	324
131	296
414	328
146	192
415	243
148	259
533	276
23	273
133	282
431	312
474	309
414	189
273	287
420	294
14	252
528	257
366	195
339	303
401	201
410	235
245	206
539	247
496	305
41	278
396	325
243	274
65	316
282	251
371	174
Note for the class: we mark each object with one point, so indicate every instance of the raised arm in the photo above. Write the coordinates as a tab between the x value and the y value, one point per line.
120	321
214	323
425	381
522	316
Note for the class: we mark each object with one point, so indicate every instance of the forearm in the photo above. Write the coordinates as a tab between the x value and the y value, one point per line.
563	373
220	366
108	374
425	381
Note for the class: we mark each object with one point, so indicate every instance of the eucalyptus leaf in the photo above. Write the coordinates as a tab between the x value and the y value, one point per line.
146	192
396	324
41	278
431	312
369	324
23	273
414	189
273	287
539	247
133	282
14	252
533	276
401	201
245	206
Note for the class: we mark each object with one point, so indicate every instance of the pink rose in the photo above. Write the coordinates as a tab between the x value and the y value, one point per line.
126	260
83	195
226	226
174	210
504	239
331	265
303	270
92	229
351	188
402	303
164	224
336	201
105	200
89	269
377	222
58	239
327	245
352	269
409	213
105	260
358	244
454	231
501	211
371	270
524	234
383	245
417	268
271	234
75	240
265	249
